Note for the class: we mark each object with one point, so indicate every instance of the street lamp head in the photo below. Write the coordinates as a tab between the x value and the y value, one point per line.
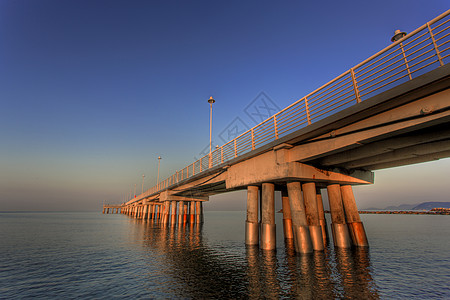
398	35
211	100
159	157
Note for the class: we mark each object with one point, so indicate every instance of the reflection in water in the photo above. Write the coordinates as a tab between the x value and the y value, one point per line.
190	268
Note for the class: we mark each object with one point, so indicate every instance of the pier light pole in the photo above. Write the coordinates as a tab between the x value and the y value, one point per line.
159	162
135	190
210	101
143	176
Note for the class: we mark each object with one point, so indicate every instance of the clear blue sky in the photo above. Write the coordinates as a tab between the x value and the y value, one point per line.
91	92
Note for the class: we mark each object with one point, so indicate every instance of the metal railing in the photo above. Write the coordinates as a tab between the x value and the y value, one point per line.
424	49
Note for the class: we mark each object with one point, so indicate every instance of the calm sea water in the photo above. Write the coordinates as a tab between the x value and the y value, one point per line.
95	256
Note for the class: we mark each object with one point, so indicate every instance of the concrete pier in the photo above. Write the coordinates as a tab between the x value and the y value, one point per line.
173	219
166	211
322	219
191	212
287	216
181	213
302	237
198	212
145	210
341	237
355	225
312	215
268	227
251	224
186	212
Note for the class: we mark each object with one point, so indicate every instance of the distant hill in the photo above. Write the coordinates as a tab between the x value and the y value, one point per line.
431	205
402	207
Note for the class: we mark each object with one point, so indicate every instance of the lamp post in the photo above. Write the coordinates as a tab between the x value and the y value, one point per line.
398	35
210	101
135	190
159	162
143	176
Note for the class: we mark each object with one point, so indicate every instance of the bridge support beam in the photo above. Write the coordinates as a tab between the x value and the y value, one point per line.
302	237
355	225
322	220
287	216
312	215
341	237
268	227
251	224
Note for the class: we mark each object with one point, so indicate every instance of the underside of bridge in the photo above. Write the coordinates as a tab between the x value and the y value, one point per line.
407	124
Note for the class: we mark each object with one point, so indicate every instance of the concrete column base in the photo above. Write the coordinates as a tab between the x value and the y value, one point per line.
302	239
341	237
173	219
316	237
192	219
251	233
358	234
180	219
198	219
287	228
268	237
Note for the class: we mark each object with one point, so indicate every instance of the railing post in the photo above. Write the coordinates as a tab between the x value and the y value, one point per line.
275	126
193	168
201	164
177	177
406	61
235	148
253	140
221	154
434	44
355	86
308	117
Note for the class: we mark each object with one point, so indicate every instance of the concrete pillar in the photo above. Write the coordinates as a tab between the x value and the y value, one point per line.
287	216
150	215
136	207
103	210
322	220
268	227
198	216
355	225
312	215
302	236
186	212
202	216
341	237
174	213
181	213
158	213
251	224
191	212
166	212
145	211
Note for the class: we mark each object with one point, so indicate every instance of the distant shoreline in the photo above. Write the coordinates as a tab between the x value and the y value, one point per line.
404	212
401	212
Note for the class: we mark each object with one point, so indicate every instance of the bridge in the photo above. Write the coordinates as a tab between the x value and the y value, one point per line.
390	110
